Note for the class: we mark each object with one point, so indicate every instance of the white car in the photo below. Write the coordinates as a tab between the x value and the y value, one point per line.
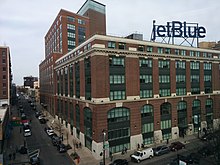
50	132
27	132
41	117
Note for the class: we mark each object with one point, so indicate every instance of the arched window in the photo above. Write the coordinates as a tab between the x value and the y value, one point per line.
118	129
165	109
147	110
88	127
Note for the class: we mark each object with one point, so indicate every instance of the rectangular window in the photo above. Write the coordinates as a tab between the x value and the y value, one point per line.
164	64
209	55
197	54
71	27
177	51
165	124
183	52
180	65
180	91
207	78
71	35
167	50
3	61
111	44
204	54
117	61
117	95
164	78
195	90
71	43
149	127
145	78
70	19
191	53
160	50
146	94
164	92
180	78
81	22
149	49
3	53
194	78
117	79
141	48
194	65
121	46
145	63
207	66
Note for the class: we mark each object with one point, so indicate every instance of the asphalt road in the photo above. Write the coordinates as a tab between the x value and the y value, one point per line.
39	140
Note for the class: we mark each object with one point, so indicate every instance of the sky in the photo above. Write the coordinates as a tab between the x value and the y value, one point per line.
24	23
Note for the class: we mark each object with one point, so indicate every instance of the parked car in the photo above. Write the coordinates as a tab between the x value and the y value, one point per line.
207	137
119	162
22	150
206	150
176	146
41	117
27	132
160	150
49	132
43	121
56	140
61	148
35	160
142	154
38	113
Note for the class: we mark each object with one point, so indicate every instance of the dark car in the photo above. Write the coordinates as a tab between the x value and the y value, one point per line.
206	151
35	160
194	158
119	162
38	113
207	137
176	146
43	121
61	148
22	150
56	140
160	150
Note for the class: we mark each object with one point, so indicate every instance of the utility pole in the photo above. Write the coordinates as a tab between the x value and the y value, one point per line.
104	134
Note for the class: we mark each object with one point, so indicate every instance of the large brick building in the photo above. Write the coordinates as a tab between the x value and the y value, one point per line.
67	32
138	91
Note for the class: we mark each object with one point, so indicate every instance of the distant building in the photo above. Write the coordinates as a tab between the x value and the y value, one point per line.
210	45
29	81
5	76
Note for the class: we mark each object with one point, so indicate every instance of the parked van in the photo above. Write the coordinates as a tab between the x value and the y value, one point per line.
143	154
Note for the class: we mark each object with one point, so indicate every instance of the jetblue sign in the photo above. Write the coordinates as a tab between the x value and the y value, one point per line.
177	29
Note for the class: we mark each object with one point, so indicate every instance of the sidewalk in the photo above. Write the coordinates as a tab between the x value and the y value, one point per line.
11	145
86	157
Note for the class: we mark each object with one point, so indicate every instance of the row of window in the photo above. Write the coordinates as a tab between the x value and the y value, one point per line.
161	50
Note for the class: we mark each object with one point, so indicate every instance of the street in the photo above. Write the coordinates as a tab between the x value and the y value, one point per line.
40	140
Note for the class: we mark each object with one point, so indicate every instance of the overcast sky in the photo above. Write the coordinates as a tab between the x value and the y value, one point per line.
24	23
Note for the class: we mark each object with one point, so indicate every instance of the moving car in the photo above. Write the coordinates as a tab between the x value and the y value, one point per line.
119	162
142	154
160	150
176	146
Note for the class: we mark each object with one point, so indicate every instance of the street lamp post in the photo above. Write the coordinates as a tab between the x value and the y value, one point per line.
104	134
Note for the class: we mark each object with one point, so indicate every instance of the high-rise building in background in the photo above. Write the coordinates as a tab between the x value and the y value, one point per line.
29	81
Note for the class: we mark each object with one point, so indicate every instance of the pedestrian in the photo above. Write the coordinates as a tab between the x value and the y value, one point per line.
77	145
122	151
80	145
125	149
138	146
9	156
167	141
14	155
142	145
111	156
